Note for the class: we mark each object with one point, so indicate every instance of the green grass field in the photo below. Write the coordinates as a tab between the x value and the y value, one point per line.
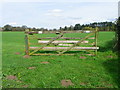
92	72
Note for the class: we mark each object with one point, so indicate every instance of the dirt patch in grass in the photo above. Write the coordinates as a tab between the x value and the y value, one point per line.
11	77
44	62
83	83
25	86
109	56
66	83
26	56
31	67
82	57
17	53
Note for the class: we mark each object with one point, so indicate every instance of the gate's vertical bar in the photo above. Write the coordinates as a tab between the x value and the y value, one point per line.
96	37
26	44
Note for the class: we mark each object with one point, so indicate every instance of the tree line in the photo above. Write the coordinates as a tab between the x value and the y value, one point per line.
102	26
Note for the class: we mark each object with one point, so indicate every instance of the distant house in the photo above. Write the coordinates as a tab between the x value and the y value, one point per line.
87	31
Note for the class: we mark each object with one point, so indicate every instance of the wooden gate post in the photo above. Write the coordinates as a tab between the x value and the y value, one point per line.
26	44
96	37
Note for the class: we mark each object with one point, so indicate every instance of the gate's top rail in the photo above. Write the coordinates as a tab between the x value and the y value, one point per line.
57	32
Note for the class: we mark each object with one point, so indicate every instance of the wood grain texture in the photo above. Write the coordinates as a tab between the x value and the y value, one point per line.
66	41
64	48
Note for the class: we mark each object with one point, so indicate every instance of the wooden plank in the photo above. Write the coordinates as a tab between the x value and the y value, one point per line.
64	48
34	32
96	37
76	31
55	44
65	44
89	54
26	45
91	38
66	41
51	54
67	38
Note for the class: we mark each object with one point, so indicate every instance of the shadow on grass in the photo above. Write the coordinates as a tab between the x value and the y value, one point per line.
68	52
112	67
108	46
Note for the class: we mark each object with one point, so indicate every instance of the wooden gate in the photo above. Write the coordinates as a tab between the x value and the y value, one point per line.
60	42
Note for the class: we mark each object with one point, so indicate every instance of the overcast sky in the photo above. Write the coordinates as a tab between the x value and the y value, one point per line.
56	13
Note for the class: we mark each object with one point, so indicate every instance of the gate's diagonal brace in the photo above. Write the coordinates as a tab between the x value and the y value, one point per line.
47	44
78	43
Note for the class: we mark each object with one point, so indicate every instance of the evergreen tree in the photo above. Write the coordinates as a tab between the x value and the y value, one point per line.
77	27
